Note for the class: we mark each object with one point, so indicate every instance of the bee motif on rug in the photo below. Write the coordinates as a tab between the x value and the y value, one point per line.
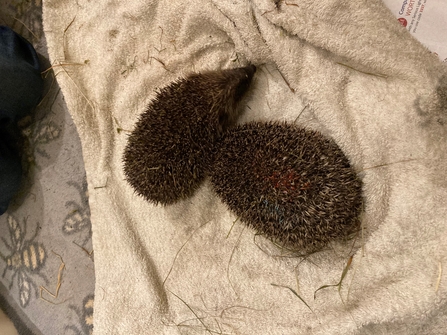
85	317
29	12
78	219
38	135
26	258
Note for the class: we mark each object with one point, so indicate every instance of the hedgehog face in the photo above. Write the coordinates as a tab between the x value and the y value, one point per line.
231	85
292	185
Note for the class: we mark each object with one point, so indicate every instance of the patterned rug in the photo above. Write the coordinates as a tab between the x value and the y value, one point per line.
47	262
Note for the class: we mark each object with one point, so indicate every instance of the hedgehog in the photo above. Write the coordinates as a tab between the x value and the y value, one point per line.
290	184
171	145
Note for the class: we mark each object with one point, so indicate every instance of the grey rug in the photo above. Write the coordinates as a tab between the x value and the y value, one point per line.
47	262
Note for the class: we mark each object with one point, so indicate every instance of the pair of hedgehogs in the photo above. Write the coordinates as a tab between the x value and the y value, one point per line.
292	185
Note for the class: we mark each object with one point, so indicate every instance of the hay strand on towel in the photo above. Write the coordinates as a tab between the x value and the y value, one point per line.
295	293
343	275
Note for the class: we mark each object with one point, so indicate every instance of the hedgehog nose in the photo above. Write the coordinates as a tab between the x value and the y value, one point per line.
251	69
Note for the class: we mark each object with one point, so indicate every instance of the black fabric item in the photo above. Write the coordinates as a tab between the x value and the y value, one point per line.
21	87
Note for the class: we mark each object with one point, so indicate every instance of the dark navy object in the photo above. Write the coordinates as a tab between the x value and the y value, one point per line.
21	87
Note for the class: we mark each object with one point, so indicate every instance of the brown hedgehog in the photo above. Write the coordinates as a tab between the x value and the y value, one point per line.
292	185
170	148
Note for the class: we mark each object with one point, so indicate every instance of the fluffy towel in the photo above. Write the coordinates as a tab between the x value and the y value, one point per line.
346	68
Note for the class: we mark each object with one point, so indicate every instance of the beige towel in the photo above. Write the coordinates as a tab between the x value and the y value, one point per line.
351	71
